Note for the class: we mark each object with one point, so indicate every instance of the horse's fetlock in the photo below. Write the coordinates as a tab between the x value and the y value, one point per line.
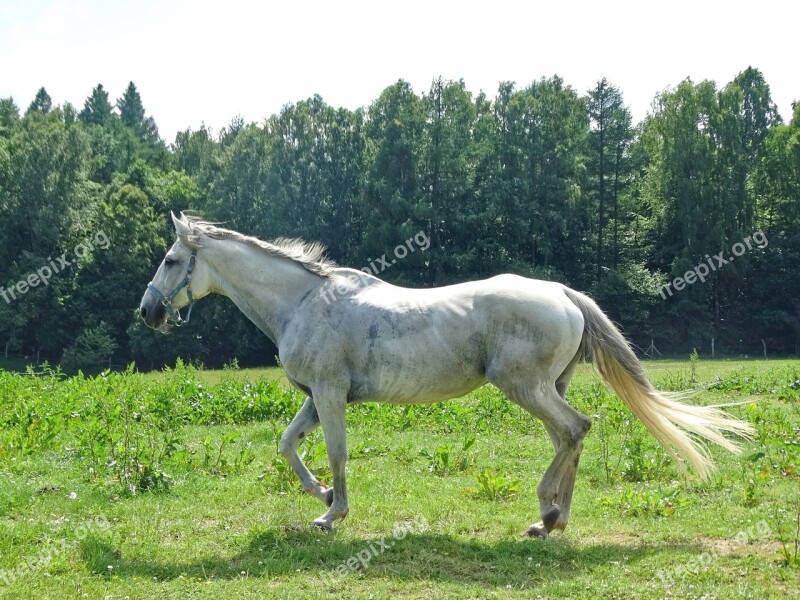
550	517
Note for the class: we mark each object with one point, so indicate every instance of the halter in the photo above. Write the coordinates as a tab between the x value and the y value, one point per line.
167	299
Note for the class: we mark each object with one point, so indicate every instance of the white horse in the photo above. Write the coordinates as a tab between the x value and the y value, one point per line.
344	336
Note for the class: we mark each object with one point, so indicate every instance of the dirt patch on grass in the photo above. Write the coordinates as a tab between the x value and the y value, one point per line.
617	538
733	547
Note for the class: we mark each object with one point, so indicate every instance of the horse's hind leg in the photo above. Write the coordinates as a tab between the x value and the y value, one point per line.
567	483
562	383
305	421
565	488
566	428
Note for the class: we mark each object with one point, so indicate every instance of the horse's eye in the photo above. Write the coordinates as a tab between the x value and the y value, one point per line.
169	261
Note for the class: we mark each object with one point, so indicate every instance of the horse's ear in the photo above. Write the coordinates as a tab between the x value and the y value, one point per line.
181	225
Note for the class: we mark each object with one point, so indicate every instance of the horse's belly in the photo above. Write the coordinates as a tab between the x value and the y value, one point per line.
406	374
398	388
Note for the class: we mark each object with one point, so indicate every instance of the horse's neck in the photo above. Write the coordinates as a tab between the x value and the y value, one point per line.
267	289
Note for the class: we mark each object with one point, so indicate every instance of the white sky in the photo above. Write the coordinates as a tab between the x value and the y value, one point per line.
207	62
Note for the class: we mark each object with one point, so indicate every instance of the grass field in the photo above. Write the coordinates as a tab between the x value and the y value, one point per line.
168	486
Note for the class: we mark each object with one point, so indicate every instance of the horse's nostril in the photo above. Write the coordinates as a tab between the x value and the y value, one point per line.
143	312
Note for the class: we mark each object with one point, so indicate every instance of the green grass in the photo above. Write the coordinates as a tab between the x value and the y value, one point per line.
168	485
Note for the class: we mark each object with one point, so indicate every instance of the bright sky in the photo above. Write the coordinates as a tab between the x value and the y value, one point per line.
206	62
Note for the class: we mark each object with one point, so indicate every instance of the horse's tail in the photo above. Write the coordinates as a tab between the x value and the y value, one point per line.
677	426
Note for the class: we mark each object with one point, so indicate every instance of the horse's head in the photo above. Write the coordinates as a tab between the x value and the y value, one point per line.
180	280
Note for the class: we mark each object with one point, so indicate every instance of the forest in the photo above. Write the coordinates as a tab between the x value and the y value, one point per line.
545	181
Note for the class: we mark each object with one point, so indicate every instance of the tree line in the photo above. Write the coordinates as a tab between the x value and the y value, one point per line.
543	181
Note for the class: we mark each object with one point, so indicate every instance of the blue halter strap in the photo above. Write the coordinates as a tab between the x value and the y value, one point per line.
166	299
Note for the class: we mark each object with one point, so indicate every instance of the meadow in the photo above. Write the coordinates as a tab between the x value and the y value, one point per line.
130	485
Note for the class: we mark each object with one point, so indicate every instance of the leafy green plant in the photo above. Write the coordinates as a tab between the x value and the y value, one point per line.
693	358
496	488
609	418
137	440
442	461
646	501
777	441
217	462
279	476
642	459
439	460
627	450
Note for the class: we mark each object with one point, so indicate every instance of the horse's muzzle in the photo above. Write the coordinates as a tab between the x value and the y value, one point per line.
152	312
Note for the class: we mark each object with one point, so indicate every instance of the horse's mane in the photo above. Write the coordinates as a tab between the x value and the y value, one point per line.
310	256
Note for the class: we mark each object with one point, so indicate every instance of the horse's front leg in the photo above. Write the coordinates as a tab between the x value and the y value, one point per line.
331	404
305	421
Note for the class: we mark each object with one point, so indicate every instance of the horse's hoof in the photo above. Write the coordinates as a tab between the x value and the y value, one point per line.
323	525
537	530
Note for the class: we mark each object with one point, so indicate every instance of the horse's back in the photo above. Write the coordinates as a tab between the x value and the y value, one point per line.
412	345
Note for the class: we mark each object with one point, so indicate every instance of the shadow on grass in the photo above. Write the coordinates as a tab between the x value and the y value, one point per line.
421	556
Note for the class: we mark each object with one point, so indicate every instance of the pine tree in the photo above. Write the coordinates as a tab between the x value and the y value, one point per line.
41	103
611	135
132	115
97	109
